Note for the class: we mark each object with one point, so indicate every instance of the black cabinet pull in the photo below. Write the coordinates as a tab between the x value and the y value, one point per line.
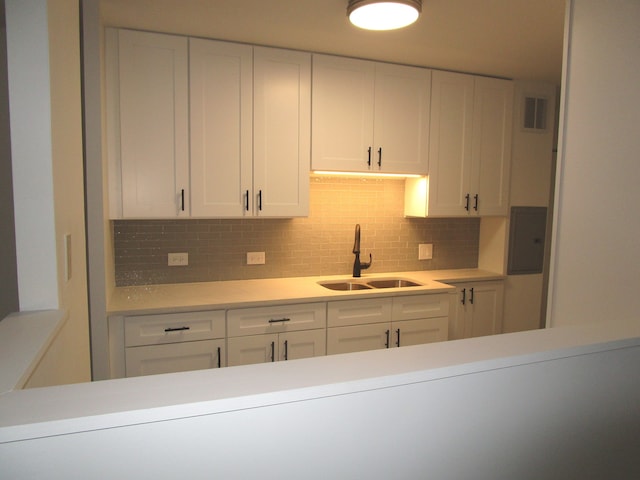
260	200
464	296
279	320
182	199
246	200
471	298
176	329
398	342
286	349
369	156
273	351
466	204
380	157
475	202
219	358
386	343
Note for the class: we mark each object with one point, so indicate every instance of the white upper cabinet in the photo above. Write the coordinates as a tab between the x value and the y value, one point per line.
470	149
281	132
202	128
147	118
221	82
369	116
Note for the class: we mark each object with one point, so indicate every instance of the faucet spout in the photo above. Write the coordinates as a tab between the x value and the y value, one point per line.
358	266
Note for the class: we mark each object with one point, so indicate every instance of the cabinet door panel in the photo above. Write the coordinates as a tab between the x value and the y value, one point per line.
221	127
450	143
358	312
252	321
342	113
173	327
358	338
487	309
304	344
282	132
148	93
174	357
416	332
493	111
252	349
401	119
420	306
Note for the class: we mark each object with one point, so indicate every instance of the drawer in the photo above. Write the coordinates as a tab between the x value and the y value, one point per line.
281	318
173	327
358	312
421	306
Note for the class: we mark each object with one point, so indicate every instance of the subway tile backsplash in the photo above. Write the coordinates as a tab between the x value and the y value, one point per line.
318	245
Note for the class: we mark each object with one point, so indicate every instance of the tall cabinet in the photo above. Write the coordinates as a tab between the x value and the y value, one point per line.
470	149
202	128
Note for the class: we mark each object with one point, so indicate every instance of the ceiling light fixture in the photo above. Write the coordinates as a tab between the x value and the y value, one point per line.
383	15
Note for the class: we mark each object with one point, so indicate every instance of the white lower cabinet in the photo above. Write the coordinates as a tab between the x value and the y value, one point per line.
476	309
369	324
270	334
174	342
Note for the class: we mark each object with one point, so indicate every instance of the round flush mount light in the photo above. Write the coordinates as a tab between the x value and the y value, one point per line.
383	15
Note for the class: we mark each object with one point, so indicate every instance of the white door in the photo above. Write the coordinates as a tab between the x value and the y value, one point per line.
148	105
491	146
282	132
342	114
252	349
174	357
450	144
221	79
358	338
302	344
401	119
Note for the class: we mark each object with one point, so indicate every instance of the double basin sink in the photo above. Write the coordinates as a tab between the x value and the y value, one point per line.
345	285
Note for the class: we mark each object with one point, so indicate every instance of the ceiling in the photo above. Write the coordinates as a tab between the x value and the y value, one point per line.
519	39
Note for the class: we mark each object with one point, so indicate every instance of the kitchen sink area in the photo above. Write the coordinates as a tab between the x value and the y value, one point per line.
347	285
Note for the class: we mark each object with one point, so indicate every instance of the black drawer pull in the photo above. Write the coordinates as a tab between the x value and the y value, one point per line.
278	320
176	329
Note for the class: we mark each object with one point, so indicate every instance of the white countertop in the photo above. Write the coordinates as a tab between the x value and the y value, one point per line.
260	292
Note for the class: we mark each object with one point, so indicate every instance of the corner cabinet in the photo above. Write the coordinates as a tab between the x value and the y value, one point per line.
202	128
476	309
470	149
271	334
369	324
369	116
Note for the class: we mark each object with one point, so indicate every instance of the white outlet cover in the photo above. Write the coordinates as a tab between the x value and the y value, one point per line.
425	251
178	259
256	258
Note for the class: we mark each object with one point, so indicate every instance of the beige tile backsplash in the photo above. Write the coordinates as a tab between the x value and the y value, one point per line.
318	245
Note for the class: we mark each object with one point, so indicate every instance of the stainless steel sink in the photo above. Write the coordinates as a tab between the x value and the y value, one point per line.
393	283
344	286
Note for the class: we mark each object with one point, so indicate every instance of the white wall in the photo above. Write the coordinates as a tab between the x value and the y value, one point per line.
595	267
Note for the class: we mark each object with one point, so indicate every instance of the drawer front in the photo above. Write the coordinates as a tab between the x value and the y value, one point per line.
358	338
358	312
175	357
421	306
173	327
281	318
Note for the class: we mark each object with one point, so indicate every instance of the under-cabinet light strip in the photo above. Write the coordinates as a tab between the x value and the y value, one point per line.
366	174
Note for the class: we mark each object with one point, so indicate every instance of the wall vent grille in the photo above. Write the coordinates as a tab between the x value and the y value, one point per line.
535	113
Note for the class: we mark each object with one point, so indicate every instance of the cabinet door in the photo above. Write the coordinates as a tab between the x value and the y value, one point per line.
342	113
491	145
450	144
221	78
147	124
304	344
486	305
252	349
174	357
282	132
401	119
358	338
416	332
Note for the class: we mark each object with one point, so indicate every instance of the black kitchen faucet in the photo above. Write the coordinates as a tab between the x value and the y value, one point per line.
357	265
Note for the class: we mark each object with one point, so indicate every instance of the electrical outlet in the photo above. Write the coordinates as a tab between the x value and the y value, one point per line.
255	258
178	259
425	251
